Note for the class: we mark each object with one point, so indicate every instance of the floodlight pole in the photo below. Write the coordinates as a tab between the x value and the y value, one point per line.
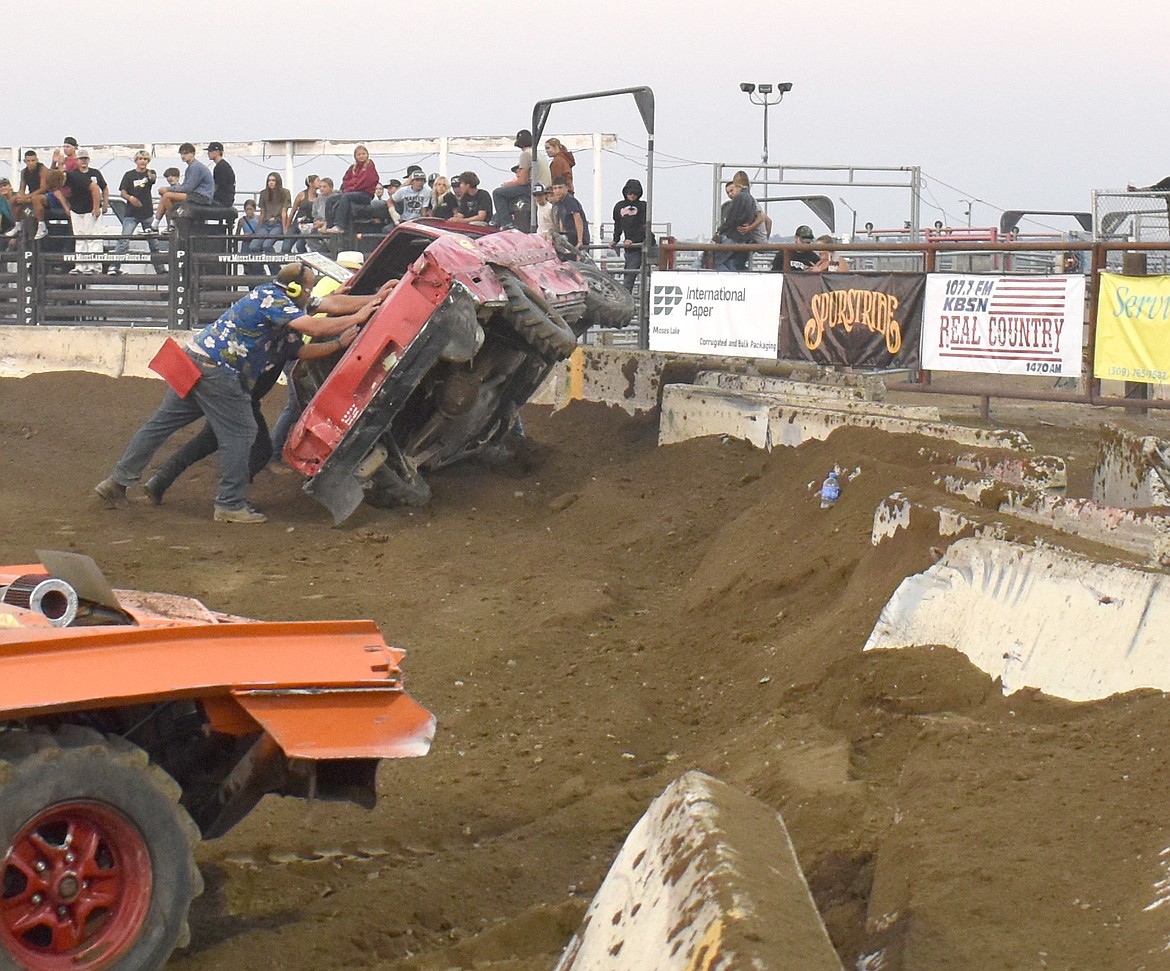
758	94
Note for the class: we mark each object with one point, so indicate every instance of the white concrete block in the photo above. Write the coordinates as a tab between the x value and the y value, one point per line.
708	878
689	412
1131	470
1036	618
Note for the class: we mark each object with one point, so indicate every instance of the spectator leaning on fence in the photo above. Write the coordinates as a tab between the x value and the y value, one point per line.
197	187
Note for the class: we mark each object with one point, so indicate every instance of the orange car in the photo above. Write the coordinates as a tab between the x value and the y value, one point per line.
133	723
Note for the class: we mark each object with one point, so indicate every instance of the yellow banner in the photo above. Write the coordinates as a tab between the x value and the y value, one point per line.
1133	329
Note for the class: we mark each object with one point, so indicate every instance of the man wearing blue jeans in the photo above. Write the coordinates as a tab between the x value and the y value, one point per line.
261	328
136	188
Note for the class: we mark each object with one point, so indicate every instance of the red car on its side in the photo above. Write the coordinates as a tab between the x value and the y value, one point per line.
440	371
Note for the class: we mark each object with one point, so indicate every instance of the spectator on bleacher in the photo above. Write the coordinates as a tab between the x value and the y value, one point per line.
761	225
561	162
568	214
223	175
275	203
443	202
301	217
8	224
321	203
515	188
135	189
382	208
247	224
88	196
735	227
65	157
798	260
197	187
1161	186
542	208
34	190
414	196
629	220
475	205
827	262
357	189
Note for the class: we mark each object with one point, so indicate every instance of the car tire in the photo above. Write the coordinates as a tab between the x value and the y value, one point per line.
607	302
98	867
535	320
388	489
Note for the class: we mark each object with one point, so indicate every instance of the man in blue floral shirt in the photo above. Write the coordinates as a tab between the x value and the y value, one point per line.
262	329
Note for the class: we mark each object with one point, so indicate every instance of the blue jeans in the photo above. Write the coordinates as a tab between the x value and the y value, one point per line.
288	417
502	199
219	396
262	241
129	224
733	261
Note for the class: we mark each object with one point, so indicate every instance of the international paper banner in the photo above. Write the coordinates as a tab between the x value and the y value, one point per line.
1133	329
724	314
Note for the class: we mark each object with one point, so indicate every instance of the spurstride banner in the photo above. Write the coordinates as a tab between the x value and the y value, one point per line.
1003	324
1133	329
728	314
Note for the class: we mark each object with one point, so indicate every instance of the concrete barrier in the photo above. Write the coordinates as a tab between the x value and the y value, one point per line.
1036	617
767	420
116	351
707	879
1132	470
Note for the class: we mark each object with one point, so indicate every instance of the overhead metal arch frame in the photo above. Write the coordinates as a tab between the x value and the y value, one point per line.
644	100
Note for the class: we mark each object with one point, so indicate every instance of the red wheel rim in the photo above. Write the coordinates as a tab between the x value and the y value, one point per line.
75	888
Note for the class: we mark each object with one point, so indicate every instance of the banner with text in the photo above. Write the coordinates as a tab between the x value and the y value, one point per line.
870	320
1133	329
1003	324
729	314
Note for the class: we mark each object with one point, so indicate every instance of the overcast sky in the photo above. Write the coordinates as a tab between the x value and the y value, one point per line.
1019	104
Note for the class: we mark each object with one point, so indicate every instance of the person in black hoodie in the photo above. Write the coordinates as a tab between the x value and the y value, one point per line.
629	220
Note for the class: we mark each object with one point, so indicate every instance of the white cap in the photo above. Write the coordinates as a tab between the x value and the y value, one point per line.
351	259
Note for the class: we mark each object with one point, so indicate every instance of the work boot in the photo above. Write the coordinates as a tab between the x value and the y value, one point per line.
245	514
154	487
112	491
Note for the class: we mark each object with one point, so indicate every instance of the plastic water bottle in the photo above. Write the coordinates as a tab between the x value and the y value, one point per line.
830	490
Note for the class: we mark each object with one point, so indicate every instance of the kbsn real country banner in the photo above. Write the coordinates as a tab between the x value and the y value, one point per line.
1133	329
1003	324
868	320
728	314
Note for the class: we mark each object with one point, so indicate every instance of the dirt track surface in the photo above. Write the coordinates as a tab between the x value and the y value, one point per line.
586	625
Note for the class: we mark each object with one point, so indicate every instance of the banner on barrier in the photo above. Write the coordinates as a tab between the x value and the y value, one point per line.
1133	329
1003	325
729	314
870	320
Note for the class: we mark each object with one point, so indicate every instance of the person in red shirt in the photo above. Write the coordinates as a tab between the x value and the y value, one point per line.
357	188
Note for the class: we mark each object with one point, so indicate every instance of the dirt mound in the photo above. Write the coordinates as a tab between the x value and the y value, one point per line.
587	623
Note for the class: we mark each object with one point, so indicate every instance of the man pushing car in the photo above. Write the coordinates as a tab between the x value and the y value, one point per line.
214	374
